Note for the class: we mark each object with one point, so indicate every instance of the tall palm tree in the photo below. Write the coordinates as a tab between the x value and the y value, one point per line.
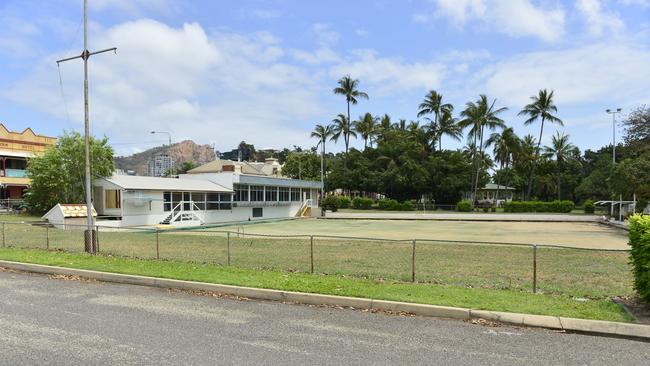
448	125
560	149
478	116
432	104
505	146
350	89
366	127
542	108
341	126
322	133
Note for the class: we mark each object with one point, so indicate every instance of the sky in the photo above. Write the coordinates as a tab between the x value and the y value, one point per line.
219	72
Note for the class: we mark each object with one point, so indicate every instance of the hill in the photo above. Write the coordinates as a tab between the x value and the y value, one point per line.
182	151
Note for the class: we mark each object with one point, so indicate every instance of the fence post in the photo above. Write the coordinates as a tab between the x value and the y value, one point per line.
311	252
157	243
534	268
47	237
97	238
413	262
228	235
3	234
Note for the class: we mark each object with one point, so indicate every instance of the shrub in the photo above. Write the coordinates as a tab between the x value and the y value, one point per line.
407	206
464	206
589	207
362	203
344	202
539	206
330	203
389	204
640	254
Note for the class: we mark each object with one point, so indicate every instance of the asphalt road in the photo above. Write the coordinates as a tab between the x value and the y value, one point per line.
67	322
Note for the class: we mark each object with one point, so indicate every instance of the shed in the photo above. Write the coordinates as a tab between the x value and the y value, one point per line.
68	216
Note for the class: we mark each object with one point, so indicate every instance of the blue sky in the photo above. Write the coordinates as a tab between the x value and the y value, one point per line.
219	72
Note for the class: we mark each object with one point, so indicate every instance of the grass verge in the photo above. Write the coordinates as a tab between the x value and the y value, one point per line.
476	298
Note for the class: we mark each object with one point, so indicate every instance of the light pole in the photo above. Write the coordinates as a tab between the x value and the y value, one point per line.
168	134
613	113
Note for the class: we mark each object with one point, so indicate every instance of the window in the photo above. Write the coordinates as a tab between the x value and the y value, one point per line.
307	194
241	193
257	194
295	195
271	194
167	201
258	212
284	194
199	200
113	198
219	201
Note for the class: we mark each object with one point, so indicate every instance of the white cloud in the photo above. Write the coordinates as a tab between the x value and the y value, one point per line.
597	19
223	87
136	7
516	18
642	3
390	76
602	72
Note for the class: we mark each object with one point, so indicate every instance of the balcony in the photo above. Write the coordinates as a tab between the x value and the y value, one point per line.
14	173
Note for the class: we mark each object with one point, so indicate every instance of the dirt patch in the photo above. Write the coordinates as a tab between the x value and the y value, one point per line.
640	310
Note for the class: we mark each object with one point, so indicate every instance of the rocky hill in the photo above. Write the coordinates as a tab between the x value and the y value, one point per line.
180	152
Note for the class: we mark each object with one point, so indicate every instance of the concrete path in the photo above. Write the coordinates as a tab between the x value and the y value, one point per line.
460	216
54	321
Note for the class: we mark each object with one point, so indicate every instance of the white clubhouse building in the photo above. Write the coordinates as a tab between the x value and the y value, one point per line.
219	191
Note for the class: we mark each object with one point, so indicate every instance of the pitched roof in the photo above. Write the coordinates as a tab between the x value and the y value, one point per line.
70	210
165	184
492	186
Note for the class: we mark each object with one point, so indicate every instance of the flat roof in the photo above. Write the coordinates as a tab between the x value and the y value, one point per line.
135	182
275	181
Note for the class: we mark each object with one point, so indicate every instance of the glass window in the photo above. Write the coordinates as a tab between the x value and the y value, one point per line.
258	212
271	194
199	199
167	201
295	195
113	198
284	194
257	194
241	193
307	194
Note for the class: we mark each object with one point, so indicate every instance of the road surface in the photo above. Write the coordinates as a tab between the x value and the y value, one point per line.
71	322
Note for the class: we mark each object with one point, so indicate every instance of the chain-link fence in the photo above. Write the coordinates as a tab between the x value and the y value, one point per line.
556	269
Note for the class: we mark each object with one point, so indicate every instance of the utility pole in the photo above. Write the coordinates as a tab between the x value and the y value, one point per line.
90	242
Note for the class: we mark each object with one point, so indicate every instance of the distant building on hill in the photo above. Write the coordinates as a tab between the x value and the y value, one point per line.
15	149
160	165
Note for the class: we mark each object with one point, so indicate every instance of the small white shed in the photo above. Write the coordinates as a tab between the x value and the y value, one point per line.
68	216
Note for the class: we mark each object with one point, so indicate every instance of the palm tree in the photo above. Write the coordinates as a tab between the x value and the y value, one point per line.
542	108
322	133
366	127
349	88
448	125
560	149
478	116
341	126
505	146
432	104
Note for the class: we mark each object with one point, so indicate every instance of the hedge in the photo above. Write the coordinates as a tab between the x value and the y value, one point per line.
539	206
362	203
589	207
330	203
393	205
464	206
344	202
640	254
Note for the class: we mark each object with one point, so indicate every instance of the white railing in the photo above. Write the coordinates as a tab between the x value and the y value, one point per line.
303	207
179	213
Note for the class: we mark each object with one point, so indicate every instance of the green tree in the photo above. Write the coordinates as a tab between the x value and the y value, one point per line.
432	104
341	126
542	108
478	116
302	165
505	145
366	127
322	133
57	176
349	88
560	149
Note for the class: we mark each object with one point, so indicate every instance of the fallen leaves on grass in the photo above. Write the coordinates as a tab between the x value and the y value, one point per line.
70	278
484	322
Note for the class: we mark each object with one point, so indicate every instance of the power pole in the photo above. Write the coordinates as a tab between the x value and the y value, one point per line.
613	113
90	242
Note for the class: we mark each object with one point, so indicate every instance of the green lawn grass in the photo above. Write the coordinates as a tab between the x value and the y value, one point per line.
426	293
19	217
499	210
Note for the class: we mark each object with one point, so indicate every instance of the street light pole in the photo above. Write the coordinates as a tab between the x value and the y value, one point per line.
89	237
613	113
168	135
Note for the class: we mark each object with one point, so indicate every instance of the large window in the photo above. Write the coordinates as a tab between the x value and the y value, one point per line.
241	193
113	198
271	194
218	201
284	194
295	195
199	199
257	194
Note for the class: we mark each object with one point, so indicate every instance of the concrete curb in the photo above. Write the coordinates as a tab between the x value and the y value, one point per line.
541	321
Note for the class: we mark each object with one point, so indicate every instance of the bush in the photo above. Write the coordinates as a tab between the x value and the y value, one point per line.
330	203
362	203
589	207
539	206
640	254
407	206
389	205
464	206
344	202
